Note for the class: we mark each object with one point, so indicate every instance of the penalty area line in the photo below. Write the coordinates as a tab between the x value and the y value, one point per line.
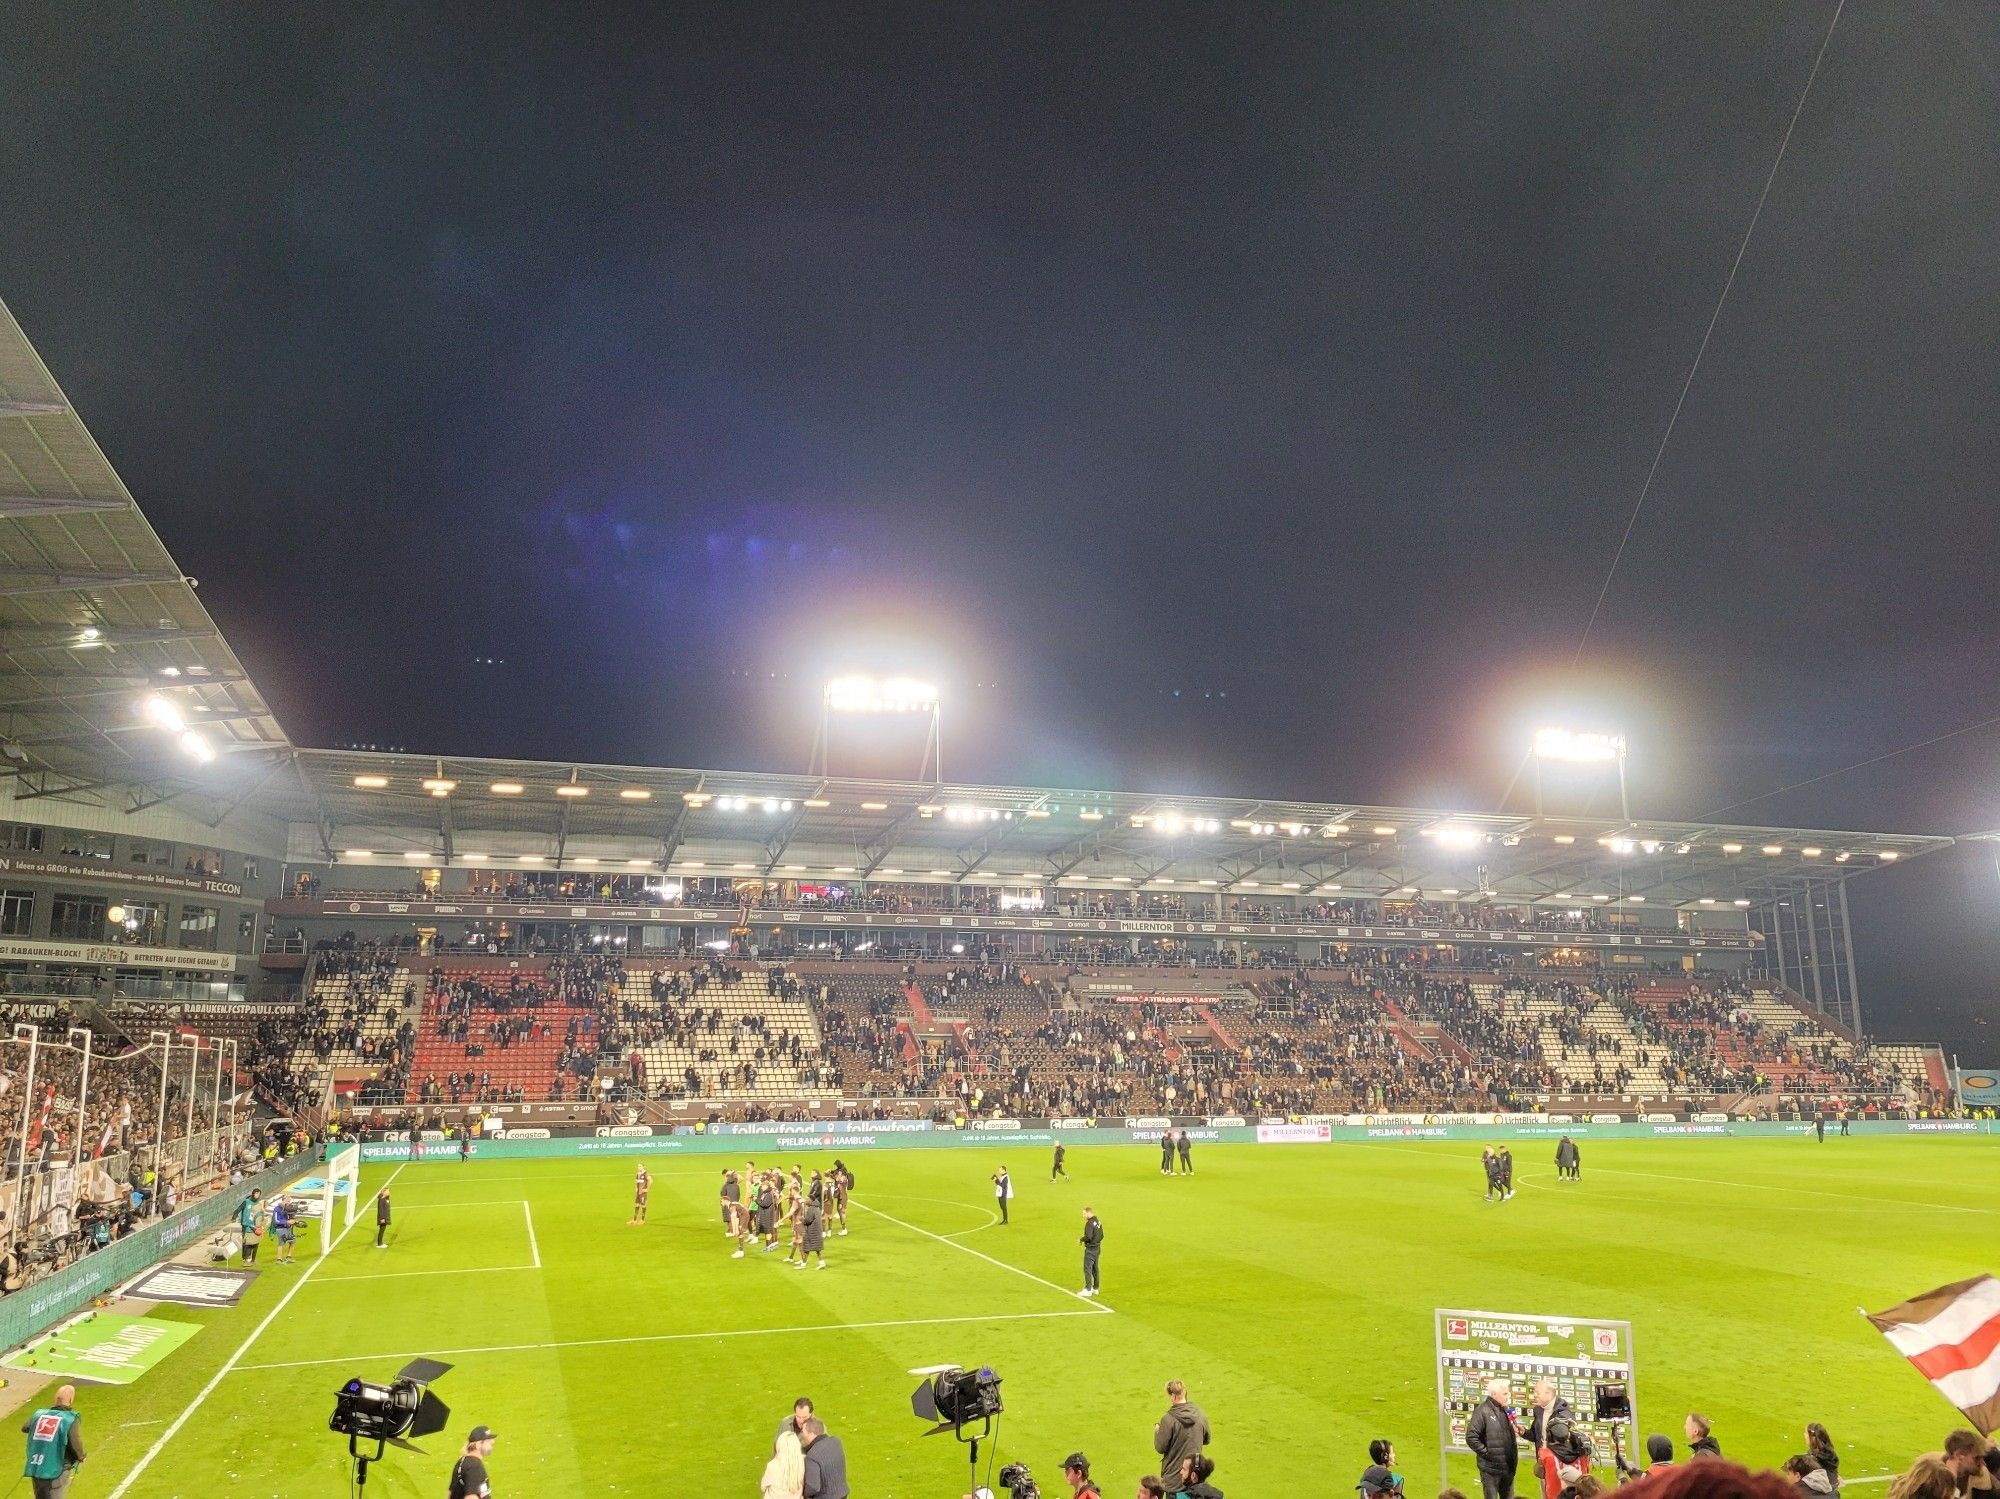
661	1337
234	1359
1095	1306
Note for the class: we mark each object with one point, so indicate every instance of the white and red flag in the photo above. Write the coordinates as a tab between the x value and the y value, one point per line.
1952	1335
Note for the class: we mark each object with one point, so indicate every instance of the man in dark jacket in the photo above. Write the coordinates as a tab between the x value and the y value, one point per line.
826	1462
1492	1440
1182	1432
1550	1418
1701	1437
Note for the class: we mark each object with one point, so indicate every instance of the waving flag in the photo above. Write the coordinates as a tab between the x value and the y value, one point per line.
1952	1335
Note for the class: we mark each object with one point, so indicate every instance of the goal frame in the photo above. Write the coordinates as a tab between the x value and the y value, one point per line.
343	1164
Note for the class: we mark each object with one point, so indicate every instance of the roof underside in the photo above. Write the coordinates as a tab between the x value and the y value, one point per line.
95	618
721	822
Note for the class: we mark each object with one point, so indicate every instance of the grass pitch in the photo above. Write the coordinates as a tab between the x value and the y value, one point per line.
1291	1287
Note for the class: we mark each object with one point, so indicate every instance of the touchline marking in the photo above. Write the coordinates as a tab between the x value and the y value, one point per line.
340	1280
1095	1306
242	1348
662	1337
534	1250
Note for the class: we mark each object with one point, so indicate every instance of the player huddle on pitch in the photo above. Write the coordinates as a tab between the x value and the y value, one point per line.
756	1203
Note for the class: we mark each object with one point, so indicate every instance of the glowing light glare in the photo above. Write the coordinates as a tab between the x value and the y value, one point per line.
197	747
506	788
415	853
371	783
1620	845
357	853
572	790
165	714
635	794
1812	853
1732	848
1456	836
891	695
1774	848
1587	748
1888	856
1383	831
1173	822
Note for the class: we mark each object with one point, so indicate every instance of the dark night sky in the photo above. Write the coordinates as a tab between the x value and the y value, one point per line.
1077	356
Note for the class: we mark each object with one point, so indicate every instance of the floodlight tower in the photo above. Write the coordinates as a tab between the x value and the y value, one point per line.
1573	747
869	695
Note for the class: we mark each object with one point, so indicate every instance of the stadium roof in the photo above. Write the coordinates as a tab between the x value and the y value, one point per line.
96	619
805	827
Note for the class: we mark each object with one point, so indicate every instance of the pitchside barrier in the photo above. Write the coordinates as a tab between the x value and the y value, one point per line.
31	1311
859	1134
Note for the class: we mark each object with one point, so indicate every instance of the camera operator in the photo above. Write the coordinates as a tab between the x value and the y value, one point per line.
1659	1454
1076	1469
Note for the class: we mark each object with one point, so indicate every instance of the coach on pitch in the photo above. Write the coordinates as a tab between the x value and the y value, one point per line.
1494	1443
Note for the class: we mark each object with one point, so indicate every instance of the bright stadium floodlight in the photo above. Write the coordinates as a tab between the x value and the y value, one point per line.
859	694
1456	835
868	695
165	714
1579	747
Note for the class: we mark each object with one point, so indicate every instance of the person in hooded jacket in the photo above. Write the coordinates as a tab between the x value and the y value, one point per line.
1809	1479
1182	1432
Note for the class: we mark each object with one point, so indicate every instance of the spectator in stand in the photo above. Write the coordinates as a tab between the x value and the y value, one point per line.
1926	1478
1809	1479
1973	1460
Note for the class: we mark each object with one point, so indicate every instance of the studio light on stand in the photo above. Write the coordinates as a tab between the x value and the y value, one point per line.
956	1398
388	1415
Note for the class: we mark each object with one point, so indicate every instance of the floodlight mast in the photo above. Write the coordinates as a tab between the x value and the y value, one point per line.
1580	747
871	695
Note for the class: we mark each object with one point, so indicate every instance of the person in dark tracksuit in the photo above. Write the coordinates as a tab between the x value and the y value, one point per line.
381	1217
1093	1244
1167	1153
1003	1191
1819	1127
1187	1154
1056	1169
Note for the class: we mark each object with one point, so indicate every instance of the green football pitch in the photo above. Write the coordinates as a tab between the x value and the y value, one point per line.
1291	1287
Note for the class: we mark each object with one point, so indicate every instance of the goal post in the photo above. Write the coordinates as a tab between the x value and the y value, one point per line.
342	1181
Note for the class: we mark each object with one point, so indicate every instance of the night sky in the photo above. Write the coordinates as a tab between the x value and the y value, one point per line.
1212	398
